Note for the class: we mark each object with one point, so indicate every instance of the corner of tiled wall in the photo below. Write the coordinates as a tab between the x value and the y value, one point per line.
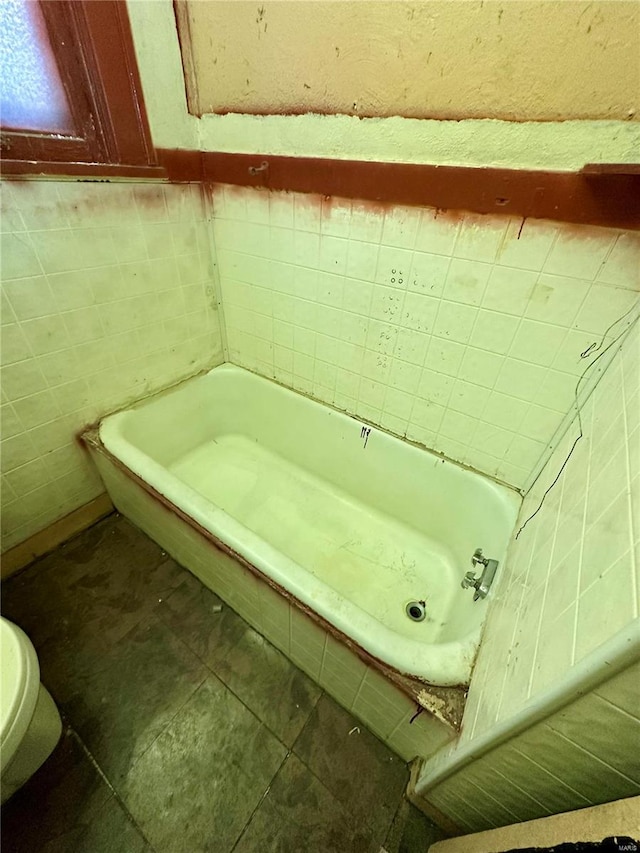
107	296
462	332
573	574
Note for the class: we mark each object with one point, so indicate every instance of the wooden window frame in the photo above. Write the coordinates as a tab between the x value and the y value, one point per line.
94	50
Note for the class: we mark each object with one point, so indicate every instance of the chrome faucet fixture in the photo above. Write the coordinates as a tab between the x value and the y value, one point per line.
483	583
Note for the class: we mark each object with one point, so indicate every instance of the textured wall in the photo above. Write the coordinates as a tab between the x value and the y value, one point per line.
525	61
461	332
524	144
107	296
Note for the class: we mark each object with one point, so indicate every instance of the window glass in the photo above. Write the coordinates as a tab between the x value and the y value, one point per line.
33	97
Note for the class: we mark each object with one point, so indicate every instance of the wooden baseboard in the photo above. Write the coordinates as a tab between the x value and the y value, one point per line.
46	540
445	823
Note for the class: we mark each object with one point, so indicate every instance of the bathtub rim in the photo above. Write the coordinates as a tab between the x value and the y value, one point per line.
517	494
454	659
446	703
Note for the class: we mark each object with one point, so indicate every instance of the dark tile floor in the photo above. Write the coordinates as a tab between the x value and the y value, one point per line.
185	730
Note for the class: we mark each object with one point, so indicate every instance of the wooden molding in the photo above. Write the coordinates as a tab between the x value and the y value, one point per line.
604	199
611	169
16	169
46	540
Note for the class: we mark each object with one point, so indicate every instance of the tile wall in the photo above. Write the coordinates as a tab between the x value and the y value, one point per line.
569	761
574	572
107	296
359	688
462	332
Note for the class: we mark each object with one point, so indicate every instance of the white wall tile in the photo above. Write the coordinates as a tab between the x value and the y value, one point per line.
480	237
579	251
570	581
461	296
466	281
101	314
621	266
602	306
527	243
437	232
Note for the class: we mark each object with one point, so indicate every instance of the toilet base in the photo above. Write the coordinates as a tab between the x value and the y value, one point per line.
37	745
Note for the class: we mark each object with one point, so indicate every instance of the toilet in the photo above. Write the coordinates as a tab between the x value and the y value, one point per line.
30	725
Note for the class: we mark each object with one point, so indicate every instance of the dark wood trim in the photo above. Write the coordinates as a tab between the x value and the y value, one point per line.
606	199
24	169
182	166
611	169
122	109
94	51
190	78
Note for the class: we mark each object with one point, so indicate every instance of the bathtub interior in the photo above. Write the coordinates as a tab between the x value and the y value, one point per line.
374	501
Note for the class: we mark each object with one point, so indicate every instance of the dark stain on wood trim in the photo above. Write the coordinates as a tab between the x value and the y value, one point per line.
596	199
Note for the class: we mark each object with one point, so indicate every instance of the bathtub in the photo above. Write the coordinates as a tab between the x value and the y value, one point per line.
348	520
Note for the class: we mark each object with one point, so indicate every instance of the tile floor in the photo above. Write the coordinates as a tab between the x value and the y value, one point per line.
184	729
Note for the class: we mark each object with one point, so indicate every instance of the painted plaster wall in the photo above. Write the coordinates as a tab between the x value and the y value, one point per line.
563	145
462	332
570	583
519	61
107	296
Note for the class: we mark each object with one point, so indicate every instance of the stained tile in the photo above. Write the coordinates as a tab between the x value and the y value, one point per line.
299	813
357	768
264	679
124	638
99	584
68	806
122	698
197	785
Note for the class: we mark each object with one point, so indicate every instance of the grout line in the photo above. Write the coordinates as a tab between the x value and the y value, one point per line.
107	782
593	756
262	798
634	718
511	783
481	790
627	445
587	431
578	795
359	690
216	675
554	534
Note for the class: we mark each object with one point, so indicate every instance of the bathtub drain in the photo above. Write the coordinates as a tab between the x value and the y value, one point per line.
416	611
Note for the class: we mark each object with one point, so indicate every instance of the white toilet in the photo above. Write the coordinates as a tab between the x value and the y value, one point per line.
30	725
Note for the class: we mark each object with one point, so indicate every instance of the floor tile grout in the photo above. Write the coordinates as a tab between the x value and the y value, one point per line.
170	721
261	800
231	690
142	590
91	758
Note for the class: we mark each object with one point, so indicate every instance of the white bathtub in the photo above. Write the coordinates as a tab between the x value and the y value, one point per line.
351	521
